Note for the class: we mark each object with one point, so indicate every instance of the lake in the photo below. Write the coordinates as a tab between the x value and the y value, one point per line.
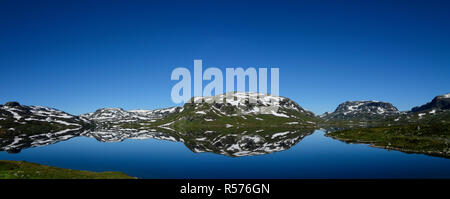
304	155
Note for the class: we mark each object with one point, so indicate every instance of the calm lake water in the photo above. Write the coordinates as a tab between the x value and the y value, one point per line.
315	156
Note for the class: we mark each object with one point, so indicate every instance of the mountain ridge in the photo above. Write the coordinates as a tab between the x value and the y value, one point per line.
440	102
235	127
237	110
366	110
21	119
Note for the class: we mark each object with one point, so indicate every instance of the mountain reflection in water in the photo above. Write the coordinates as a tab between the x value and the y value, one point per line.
230	142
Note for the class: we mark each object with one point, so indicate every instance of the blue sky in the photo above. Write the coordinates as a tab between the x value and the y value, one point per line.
78	56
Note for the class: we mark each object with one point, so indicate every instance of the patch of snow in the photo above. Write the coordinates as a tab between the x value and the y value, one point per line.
141	111
255	139
421	115
234	147
201	112
280	134
279	114
15	115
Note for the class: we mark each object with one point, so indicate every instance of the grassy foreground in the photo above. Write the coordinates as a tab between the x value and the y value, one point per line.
433	139
26	170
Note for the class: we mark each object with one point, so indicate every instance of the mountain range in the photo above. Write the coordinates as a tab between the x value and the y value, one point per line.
17	119
239	112
235	127
118	115
235	111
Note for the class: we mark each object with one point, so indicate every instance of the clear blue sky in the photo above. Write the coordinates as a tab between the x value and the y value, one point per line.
78	56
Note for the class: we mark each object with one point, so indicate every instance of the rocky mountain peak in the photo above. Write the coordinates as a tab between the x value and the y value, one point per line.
248	103
361	110
441	102
26	119
443	96
352	107
120	115
12	104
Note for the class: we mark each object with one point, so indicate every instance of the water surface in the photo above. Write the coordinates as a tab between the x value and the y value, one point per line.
313	156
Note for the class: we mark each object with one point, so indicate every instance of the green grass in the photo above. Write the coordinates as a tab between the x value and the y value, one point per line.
431	138
25	170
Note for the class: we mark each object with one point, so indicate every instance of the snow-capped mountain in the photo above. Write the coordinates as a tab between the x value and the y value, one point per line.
438	110
117	115
18	119
241	109
439	103
239	103
110	114
157	113
361	111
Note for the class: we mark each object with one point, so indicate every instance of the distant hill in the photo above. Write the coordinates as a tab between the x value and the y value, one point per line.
439	103
361	111
238	111
18	119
